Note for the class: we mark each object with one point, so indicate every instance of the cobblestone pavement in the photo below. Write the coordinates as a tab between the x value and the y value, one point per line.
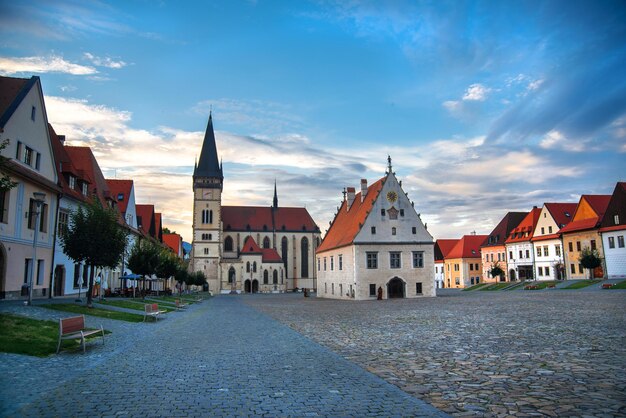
540	353
217	358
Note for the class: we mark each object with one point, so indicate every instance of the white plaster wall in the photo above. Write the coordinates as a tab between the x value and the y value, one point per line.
615	257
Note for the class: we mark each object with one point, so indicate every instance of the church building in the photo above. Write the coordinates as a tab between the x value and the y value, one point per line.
377	246
247	248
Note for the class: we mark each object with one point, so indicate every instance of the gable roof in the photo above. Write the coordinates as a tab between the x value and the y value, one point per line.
12	92
443	248
615	210
527	226
580	222
468	247
500	233
598	202
562	213
268	255
120	187
261	218
347	223
175	242
145	219
85	162
158	226
64	166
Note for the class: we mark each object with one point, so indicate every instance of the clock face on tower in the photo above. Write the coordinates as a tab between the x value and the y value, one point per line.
392	196
207	194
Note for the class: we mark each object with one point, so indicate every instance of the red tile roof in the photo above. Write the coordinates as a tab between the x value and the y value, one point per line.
468	247
443	248
85	162
120	187
562	213
582	225
175	242
145	219
526	226
598	202
348	223
158	226
269	255
64	167
261	218
501	232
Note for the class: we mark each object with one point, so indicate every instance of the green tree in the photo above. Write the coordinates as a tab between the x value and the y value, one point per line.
144	258
199	278
94	237
168	265
181	276
496	270
5	181
590	259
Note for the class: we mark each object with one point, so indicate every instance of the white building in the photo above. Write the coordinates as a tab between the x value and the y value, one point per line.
519	248
546	241
30	164
613	230
376	241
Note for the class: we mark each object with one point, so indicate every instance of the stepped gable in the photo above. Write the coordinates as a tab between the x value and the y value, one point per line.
120	188
524	231
443	248
259	219
498	236
468	247
348	223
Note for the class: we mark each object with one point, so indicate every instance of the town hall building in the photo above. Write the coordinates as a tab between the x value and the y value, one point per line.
248	248
377	246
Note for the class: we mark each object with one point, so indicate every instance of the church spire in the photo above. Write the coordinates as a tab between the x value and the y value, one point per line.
208	164
275	204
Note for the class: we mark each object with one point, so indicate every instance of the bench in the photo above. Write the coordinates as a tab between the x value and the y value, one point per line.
74	328
152	309
531	287
180	305
607	285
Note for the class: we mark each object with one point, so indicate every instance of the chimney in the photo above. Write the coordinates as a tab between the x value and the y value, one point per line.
363	189
351	194
61	139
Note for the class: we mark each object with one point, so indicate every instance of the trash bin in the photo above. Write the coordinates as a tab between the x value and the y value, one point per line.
25	289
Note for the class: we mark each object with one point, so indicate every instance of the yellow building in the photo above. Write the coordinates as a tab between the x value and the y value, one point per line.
463	266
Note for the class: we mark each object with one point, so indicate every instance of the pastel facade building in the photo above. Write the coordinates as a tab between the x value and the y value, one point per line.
547	246
519	248
613	231
493	252
442	249
463	265
376	241
584	232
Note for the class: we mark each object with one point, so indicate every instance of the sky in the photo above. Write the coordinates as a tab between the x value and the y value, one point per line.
484	107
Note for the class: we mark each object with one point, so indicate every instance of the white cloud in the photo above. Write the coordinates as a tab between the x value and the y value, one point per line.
51	64
535	84
556	140
104	62
476	92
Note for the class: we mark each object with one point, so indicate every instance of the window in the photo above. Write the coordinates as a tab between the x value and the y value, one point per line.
572	268
476	267
545	251
120	197
275	277
324	263
418	288
304	258
414	230
593	244
340	262
332	288
33	113
72	182
254	267
76	275
373	230
265	277
28	156
85	189
38	161
580	268
527	253
210	237
4	207
340	289
205	216
511	255
319	260
543	230
418	259
205	237
332	263
456	267
28	265
457	281
577	245
401	212
372	260
40	272
538	251
266	242
32	214
382	212
611	242
616	219
620	241
520	254
248	267
372	289
557	250
206	251
228	244
471	266
570	246
546	270
540	271
393	230
394	260
549	230
284	246
492	257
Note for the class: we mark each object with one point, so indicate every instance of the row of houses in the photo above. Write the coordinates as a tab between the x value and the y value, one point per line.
543	244
51	180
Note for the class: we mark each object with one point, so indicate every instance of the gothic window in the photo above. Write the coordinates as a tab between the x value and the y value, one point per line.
275	277
265	277
205	216
210	216
231	275
284	245
266	242
254	267
248	267
304	257
228	244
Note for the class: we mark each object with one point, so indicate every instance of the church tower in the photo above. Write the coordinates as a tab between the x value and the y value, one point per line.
208	181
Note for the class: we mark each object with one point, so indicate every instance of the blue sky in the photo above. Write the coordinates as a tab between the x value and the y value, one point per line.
484	107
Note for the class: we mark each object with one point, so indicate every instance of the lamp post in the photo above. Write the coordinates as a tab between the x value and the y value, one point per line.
39	199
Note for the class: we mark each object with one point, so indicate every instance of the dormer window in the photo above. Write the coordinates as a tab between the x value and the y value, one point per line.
85	189
616	219
72	182
120	197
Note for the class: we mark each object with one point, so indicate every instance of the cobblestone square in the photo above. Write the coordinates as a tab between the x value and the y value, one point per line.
518	353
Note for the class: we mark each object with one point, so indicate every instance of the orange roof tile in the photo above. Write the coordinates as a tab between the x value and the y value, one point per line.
562	213
86	163
121	188
175	242
527	225
443	248
269	255
265	218
145	219
468	247
348	223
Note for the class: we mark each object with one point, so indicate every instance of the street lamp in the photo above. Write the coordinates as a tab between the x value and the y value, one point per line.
39	199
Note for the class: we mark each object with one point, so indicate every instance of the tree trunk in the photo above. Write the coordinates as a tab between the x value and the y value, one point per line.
89	293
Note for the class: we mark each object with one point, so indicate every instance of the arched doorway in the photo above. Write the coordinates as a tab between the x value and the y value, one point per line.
395	288
231	276
59	280
255	286
246	287
512	275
